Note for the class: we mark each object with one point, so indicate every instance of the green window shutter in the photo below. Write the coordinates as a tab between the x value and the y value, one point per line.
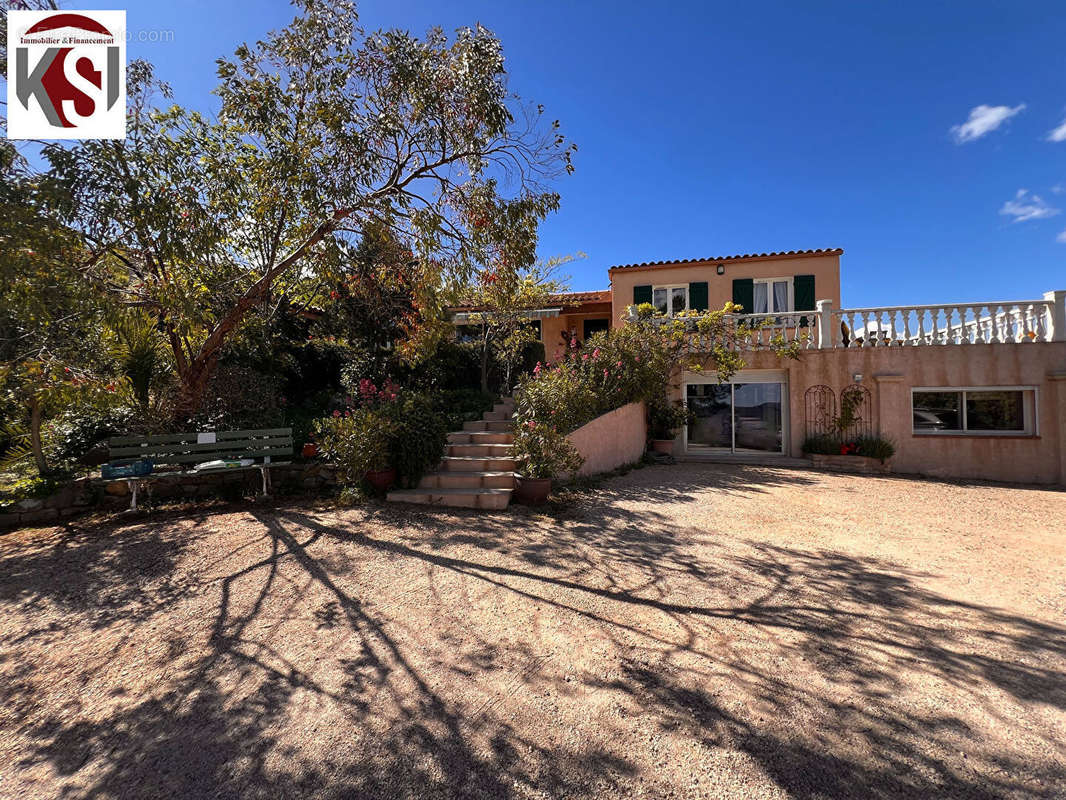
697	296
744	293
641	294
803	289
803	294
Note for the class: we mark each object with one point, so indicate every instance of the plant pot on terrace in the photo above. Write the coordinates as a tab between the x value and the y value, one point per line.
532	491
866	454
382	479
543	452
665	419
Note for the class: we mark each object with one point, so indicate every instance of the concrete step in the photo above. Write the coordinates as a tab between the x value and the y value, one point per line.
456	498
508	407
475	479
496	426
481	450
497	415
480	437
476	464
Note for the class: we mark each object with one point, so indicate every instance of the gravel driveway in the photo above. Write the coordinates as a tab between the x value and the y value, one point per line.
687	631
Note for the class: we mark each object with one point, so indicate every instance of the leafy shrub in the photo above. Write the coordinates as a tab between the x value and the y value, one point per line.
830	445
626	365
240	398
357	441
665	418
77	430
382	427
457	406
823	444
418	437
543	451
875	447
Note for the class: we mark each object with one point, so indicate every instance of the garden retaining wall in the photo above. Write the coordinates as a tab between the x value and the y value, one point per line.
612	440
87	494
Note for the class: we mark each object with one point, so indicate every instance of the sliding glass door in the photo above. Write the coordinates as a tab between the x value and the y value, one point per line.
736	417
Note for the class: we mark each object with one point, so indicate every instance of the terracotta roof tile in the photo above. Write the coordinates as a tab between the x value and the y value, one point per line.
598	296
834	251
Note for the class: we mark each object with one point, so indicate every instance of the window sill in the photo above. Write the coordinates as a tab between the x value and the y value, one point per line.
974	435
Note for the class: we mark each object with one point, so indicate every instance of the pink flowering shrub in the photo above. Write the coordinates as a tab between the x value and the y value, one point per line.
383	427
627	365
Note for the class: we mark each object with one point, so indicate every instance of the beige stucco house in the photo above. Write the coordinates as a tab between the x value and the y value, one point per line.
966	390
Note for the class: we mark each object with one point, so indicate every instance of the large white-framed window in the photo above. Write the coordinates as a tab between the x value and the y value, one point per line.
974	410
670	299
773	295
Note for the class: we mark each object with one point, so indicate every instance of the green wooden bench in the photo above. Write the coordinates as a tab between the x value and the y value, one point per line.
175	452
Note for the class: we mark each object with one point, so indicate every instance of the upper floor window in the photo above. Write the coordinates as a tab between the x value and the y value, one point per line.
773	295
974	410
670	300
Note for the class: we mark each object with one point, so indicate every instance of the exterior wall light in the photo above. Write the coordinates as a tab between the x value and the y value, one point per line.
721	269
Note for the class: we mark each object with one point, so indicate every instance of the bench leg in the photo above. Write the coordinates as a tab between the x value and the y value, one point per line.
134	486
266	480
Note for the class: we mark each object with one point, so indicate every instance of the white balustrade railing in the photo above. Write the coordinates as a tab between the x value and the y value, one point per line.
959	323
1007	322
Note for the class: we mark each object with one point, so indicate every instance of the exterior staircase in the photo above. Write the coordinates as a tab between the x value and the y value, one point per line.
477	470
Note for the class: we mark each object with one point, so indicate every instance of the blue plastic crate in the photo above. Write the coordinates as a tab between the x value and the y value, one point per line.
127	469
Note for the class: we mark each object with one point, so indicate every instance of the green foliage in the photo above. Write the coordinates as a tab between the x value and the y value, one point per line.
324	135
457	406
646	311
831	444
502	296
543	451
383	427
666	418
418	437
822	444
626	365
356	441
875	447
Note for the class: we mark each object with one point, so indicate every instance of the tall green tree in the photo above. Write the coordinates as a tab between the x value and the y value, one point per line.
503	297
323	130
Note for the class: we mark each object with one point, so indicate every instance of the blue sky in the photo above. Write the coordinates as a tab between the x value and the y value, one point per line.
708	129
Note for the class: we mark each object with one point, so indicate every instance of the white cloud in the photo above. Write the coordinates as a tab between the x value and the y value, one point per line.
1027	206
983	119
1061	237
1058	188
1057	134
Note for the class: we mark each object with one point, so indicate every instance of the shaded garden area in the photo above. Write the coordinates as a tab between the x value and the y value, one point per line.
694	631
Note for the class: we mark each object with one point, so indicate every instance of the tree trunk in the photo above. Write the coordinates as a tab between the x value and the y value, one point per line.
194	382
485	360
35	436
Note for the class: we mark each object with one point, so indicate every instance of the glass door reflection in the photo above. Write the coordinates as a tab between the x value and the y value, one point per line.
736	417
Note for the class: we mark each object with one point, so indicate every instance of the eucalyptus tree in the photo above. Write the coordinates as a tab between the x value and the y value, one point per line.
322	130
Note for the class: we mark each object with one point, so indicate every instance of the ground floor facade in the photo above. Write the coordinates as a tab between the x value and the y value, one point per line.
980	411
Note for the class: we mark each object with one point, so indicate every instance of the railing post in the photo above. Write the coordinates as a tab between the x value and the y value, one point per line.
826	337
1056	318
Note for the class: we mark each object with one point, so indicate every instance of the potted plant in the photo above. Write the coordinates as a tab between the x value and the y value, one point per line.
664	420
543	453
861	454
357	443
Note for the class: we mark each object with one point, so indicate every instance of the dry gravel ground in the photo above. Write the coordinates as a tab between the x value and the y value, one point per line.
688	631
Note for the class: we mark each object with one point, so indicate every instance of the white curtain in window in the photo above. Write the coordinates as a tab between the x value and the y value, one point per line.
781	296
761	299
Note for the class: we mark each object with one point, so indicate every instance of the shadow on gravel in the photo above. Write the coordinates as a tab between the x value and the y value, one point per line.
868	636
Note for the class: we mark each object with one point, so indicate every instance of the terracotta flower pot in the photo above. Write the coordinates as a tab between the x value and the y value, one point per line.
310	450
382	479
532	491
663	445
